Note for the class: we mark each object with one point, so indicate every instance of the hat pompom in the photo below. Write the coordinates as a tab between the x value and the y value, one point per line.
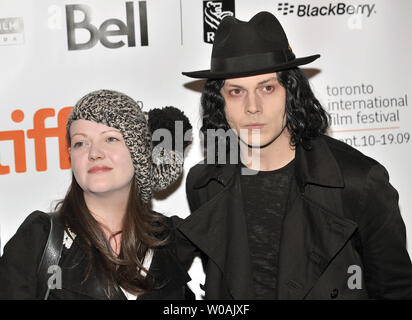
167	156
167	118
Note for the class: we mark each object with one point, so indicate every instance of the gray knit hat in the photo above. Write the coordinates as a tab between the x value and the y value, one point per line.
153	171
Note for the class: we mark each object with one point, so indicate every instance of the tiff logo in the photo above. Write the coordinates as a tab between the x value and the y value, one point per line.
11	31
39	133
286	8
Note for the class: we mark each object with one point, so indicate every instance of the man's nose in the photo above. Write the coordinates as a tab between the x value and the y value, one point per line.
253	104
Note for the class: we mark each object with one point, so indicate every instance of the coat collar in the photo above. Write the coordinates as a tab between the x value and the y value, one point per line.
313	166
317	165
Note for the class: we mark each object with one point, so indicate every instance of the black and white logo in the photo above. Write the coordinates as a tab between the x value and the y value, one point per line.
330	9
108	32
285	8
11	31
213	13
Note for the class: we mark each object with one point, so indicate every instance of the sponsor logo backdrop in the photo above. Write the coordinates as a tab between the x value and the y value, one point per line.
54	52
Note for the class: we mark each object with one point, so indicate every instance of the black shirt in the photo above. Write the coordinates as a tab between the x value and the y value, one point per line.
265	195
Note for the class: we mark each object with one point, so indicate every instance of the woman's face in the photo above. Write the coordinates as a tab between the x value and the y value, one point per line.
100	159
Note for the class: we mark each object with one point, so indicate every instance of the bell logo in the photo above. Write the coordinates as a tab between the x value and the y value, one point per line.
109	28
39	134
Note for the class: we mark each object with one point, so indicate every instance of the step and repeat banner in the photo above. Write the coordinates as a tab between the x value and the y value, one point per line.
54	52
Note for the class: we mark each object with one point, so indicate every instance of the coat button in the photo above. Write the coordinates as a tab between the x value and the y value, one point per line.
334	293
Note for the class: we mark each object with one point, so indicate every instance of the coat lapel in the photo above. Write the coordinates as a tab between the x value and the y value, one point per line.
311	238
314	229
218	228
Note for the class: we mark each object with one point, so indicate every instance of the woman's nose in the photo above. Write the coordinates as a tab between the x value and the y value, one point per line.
95	152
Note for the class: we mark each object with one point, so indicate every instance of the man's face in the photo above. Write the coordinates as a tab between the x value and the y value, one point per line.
255	107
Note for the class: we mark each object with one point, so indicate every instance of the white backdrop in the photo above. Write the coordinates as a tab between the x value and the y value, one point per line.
363	79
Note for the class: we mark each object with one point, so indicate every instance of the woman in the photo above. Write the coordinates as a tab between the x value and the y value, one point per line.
114	246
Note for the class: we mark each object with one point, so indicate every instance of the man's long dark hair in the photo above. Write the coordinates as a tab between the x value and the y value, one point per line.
305	117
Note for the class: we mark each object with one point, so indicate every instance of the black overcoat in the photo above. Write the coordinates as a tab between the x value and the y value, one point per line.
22	255
343	236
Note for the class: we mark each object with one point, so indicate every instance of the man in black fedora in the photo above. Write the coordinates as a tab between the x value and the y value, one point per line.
301	215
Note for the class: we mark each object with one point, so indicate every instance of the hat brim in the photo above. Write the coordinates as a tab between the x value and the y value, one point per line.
207	74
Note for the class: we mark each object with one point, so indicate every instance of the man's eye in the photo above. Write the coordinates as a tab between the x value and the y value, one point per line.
235	92
268	88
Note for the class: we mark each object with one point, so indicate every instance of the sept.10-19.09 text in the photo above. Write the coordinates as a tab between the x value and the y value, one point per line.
371	140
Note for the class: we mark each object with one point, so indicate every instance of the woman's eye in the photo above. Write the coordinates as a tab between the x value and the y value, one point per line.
112	139
78	144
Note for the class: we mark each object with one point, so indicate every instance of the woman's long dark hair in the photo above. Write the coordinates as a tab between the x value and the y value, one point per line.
305	117
140	227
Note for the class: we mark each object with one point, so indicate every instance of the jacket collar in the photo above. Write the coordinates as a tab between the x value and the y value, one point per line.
313	166
219	173
317	165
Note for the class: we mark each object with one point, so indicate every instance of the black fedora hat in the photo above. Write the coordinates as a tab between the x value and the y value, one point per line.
243	49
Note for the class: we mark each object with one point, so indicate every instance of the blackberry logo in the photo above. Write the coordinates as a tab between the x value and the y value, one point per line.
332	9
286	8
